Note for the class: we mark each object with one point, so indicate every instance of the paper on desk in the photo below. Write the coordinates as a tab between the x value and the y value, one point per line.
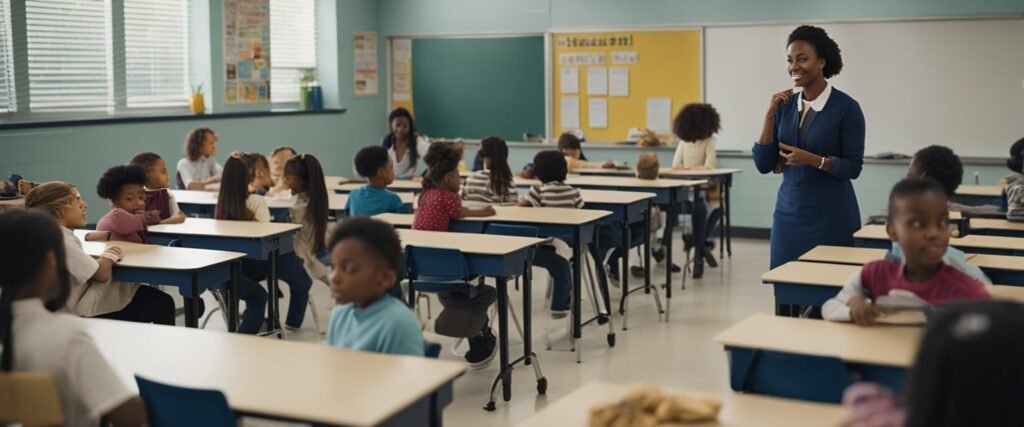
618	81
597	81
570	112
597	110
570	80
659	114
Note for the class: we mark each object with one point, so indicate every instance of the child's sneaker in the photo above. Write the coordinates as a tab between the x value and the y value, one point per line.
481	350
559	314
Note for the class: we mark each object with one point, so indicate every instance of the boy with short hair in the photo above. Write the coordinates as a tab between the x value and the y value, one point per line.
375	165
919	222
366	255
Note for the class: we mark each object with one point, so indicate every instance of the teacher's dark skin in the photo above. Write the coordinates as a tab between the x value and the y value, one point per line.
806	70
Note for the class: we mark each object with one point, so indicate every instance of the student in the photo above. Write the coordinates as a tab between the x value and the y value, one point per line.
440	200
237	202
123	188
376	166
919	221
403	144
93	294
1015	183
492	184
367	254
157	181
199	168
278	157
941	164
569	146
305	178
550	168
696	126
35	285
967	372
647	168
465	313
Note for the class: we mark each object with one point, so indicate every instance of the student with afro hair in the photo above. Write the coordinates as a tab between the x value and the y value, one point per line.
814	137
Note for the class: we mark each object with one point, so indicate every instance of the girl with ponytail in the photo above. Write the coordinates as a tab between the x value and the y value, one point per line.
492	184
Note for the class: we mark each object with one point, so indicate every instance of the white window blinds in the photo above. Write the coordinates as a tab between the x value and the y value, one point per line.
156	53
292	46
8	101
69	55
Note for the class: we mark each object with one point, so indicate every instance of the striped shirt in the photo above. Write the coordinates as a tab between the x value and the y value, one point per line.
478	189
554	194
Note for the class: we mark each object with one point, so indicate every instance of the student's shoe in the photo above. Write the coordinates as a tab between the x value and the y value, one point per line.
613	278
659	255
559	314
637	271
710	258
481	350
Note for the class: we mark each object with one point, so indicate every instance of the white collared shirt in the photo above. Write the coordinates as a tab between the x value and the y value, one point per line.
819	103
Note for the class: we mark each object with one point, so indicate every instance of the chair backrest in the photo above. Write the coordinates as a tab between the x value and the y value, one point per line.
169	405
431	350
511	230
30	398
181	182
441	264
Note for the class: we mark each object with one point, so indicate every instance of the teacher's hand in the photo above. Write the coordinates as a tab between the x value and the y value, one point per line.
777	100
797	156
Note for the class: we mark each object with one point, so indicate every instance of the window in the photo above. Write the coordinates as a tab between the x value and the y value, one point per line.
156	53
8	102
69	55
292	46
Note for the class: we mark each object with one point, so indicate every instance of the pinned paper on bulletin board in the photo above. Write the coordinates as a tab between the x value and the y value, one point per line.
597	110
401	73
618	81
570	112
570	80
597	81
659	114
246	51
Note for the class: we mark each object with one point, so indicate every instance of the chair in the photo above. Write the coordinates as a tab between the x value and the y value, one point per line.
789	375
441	270
688	243
168	405
30	398
181	182
432	350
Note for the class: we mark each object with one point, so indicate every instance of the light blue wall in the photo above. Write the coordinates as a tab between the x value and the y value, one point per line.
80	154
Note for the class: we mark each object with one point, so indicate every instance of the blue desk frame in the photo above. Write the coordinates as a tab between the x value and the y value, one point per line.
190	284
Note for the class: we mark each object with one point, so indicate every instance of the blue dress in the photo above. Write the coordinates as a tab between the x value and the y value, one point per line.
815	207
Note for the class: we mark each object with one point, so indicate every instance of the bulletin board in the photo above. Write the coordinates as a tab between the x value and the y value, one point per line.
247	51
605	83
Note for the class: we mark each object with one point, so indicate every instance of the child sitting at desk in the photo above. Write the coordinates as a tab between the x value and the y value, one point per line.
569	146
123	188
695	126
919	221
157	197
376	166
199	168
1015	183
367	255
278	157
493	183
35	337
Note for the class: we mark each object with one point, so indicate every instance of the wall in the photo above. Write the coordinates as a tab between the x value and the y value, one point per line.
80	154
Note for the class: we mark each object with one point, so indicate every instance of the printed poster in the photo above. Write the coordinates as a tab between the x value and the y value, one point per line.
365	53
247	51
401	72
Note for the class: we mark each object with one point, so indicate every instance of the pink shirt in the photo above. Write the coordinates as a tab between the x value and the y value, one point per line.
947	284
126	226
436	208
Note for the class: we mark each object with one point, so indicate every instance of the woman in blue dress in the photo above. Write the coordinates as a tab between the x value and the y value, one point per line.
814	137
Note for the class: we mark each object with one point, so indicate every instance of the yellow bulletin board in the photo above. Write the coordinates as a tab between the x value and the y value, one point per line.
660	69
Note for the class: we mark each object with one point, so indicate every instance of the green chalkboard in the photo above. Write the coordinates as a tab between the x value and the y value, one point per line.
474	88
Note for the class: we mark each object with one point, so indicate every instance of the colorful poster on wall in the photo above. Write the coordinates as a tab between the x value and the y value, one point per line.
365	52
401	73
246	51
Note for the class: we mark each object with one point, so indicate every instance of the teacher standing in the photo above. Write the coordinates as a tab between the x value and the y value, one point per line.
814	137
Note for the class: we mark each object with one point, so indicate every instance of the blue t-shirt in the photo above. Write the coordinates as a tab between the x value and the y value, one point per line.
386	326
367	200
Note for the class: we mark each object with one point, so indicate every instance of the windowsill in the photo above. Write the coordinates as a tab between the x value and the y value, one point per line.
165	117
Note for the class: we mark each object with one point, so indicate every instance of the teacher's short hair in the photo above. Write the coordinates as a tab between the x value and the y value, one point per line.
824	46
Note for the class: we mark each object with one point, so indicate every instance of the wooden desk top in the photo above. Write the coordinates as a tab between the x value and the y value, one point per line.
632	182
843	255
980	190
195	197
998	262
481	244
996	224
330	385
614	197
157	256
397	220
811	273
223	228
739	410
670	172
881	345
560	216
877	232
399	184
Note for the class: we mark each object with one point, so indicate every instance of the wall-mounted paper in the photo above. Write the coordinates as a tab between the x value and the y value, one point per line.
618	81
597	109
570	80
659	114
597	81
401	48
570	112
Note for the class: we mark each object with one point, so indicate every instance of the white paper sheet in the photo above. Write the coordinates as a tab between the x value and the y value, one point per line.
401	49
597	109
570	112
597	81
659	114
570	80
618	80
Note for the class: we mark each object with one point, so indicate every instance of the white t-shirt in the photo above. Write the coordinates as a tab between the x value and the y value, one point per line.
89	298
173	203
258	205
405	169
695	154
198	170
60	344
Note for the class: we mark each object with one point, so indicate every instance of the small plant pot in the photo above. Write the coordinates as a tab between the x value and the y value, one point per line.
197	106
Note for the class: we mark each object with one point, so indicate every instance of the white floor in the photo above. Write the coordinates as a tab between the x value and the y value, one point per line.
679	353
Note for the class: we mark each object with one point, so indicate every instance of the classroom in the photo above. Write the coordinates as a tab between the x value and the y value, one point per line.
511	213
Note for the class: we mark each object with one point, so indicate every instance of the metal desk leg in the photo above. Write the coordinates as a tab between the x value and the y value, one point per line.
670	221
699	218
577	289
721	225
233	297
272	288
506	379
192	304
728	215
527	313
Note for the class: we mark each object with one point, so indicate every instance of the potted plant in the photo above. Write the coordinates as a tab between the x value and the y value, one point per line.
306	81
197	104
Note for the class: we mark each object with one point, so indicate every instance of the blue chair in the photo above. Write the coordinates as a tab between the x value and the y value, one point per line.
434	270
432	350
794	376
168	405
181	182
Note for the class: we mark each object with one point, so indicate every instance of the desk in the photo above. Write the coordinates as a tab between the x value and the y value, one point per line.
738	410
996	227
328	386
399	186
879	354
874	236
499	257
999	268
190	270
257	240
11	204
979	195
576	226
843	255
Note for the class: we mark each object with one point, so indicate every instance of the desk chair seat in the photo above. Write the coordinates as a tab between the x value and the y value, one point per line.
438	270
168	405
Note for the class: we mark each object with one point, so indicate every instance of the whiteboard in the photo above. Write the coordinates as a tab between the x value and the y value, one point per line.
957	83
